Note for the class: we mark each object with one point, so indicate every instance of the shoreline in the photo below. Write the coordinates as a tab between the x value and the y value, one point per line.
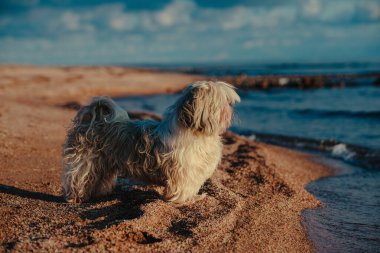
254	200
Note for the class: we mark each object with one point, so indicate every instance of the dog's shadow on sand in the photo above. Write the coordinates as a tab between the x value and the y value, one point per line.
128	206
11	190
99	213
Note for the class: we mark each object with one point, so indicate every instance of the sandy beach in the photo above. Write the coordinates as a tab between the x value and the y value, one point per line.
253	204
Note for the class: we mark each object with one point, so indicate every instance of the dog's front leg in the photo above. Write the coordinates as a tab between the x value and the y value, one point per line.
180	191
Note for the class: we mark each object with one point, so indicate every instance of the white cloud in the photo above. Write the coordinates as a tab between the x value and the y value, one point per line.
221	56
235	18
281	16
256	17
338	11
70	20
312	8
373	9
118	23
347	12
73	22
177	12
123	22
253	43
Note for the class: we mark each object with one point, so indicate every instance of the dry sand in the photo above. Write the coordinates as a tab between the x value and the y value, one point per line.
253	203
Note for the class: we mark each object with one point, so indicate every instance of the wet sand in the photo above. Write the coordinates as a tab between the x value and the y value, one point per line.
254	199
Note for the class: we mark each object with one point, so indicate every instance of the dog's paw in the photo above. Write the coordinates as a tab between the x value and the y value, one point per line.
75	200
190	201
198	197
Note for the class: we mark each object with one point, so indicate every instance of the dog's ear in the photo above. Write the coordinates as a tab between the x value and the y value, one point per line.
206	107
186	109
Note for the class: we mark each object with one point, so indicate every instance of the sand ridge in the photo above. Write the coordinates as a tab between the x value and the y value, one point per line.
253	202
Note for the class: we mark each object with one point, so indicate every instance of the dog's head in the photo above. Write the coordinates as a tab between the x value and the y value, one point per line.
205	107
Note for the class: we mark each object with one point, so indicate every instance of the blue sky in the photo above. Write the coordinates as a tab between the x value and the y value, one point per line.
164	31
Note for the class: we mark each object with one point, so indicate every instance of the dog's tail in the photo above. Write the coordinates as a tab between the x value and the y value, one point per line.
86	170
101	109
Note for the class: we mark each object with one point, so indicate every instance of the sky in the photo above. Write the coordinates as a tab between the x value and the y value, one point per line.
79	32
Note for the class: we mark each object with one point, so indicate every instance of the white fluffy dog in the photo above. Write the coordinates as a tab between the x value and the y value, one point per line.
180	153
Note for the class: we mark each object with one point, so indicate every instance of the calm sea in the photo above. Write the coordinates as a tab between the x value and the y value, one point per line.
342	126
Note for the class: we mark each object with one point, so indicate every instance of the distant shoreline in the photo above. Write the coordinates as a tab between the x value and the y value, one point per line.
297	76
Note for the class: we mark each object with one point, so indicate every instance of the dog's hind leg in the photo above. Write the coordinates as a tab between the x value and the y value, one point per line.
106	183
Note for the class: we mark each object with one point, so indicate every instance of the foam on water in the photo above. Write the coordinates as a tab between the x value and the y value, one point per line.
341	150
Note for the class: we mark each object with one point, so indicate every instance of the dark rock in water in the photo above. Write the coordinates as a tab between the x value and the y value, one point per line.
244	81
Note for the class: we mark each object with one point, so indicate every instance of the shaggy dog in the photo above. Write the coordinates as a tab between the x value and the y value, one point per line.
180	153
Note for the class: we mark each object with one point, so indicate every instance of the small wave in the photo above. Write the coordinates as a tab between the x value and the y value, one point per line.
252	137
365	157
341	150
340	113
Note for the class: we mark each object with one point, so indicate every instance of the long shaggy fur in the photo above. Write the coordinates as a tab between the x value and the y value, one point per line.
180	153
